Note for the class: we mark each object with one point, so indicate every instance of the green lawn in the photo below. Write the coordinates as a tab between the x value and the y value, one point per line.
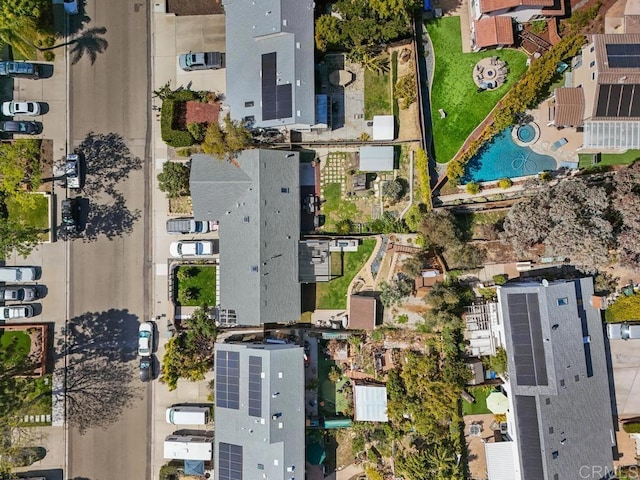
15	346
334	402
36	215
609	158
454	90
480	407
333	294
377	92
335	208
200	280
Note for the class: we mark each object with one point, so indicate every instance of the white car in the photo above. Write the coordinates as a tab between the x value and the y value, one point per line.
9	109
145	339
191	248
12	313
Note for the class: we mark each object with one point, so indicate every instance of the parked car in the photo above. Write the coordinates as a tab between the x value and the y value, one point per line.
13	313
18	274
191	248
623	331
146	368
24	127
18	294
200	61
20	69
70	214
9	109
73	171
187	225
145	339
71	7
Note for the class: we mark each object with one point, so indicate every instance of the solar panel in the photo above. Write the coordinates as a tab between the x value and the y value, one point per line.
529	436
617	100
603	100
624	55
614	100
526	336
626	100
277	100
255	386
229	462
227	379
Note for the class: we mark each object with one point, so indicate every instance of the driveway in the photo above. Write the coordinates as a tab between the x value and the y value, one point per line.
625	361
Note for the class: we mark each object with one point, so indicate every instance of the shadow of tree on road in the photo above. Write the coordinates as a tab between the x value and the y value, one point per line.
108	161
89	43
109	335
96	391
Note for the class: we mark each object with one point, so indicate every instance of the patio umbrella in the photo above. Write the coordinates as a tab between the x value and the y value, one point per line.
497	402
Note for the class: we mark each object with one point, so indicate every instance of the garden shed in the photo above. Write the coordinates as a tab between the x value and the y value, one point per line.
362	312
383	127
370	403
376	159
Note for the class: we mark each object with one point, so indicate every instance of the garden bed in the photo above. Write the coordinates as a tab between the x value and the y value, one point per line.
195	285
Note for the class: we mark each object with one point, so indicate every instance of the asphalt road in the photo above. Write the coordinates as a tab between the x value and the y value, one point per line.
109	266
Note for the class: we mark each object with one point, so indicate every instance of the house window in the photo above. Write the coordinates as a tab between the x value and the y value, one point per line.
592	64
284	22
260	466
562	383
250	119
284	190
254	268
563	301
297	83
547	401
245	219
248	104
554	455
577	378
593	75
298	45
550	430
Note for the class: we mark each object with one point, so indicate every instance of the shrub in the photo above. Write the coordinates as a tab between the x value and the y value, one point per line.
631	427
500	279
174	179
539	26
505	183
422	167
393	190
473	188
405	90
545	176
197	130
173	138
624	309
402	319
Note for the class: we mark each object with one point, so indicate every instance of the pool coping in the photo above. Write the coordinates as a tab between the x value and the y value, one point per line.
520	143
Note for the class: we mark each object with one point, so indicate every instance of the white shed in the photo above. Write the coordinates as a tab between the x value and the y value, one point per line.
370	403
376	159
384	127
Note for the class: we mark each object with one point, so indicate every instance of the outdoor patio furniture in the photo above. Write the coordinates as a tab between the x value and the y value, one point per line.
442	113
558	144
475	430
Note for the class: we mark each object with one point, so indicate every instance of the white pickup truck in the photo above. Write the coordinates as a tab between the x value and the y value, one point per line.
623	331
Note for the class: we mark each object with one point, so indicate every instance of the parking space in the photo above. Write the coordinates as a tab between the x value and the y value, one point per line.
625	361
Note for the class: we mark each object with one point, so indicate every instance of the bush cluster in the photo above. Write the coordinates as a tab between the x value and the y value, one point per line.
172	137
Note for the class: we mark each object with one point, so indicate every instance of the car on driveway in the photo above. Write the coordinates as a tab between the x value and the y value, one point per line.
73	171
70	214
191	248
145	339
200	61
18	294
20	69
623	331
9	109
146	369
21	126
12	313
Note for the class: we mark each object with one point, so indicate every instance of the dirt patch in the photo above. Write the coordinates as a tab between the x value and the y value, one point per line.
201	112
181	206
194	7
46	165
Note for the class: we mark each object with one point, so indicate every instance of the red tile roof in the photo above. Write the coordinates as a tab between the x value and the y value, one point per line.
569	107
493	5
490	31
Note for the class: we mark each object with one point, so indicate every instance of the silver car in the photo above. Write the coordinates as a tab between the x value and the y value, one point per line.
18	294
200	61
17	312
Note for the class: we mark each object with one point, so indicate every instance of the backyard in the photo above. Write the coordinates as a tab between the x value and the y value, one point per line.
335	208
377	94
480	405
607	159
455	91
332	399
195	285
333	294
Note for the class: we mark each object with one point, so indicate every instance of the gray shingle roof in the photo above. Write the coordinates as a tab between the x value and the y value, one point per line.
274	442
567	415
259	231
256	28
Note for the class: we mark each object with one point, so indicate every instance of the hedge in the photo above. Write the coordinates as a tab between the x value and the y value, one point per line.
631	427
624	309
175	138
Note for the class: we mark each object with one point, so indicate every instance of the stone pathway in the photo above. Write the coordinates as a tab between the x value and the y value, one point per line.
336	164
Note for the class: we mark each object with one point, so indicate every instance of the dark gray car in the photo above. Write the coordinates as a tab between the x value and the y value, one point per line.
200	61
24	127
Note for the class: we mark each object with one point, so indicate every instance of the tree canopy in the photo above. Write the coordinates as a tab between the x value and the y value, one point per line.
226	143
174	179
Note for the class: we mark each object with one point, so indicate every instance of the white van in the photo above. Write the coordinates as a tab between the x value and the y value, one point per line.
186	447
186	415
18	274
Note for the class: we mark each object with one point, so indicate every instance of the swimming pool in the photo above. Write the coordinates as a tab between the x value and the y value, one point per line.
502	158
526	133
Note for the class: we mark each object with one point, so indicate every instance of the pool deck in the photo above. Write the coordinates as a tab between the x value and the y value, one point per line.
550	134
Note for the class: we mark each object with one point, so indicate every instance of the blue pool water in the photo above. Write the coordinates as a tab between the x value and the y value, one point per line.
504	159
526	133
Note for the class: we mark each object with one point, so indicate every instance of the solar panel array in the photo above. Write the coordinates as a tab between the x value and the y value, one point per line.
227	379
526	336
229	462
255	386
623	55
618	100
277	100
529	436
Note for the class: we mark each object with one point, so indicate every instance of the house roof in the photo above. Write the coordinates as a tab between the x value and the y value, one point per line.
569	107
383	127
256	199
259	410
370	403
270	61
362	312
493	5
376	159
558	378
490	31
